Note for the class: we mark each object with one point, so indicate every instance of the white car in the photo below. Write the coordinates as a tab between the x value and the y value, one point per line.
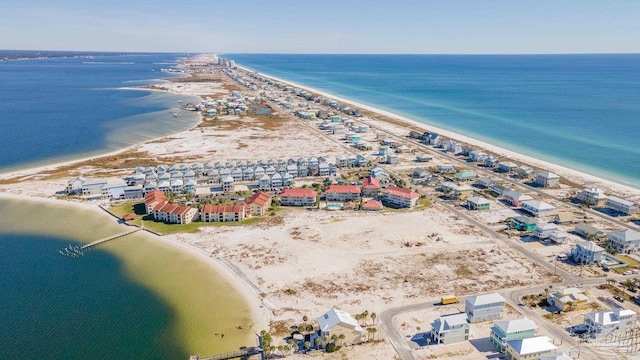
578	285
628	272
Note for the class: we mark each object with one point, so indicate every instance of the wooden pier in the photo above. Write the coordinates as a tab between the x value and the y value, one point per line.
104	240
243	355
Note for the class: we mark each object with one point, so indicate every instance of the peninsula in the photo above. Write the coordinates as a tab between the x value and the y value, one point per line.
386	230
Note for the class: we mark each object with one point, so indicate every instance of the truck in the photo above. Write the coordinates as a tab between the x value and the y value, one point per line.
446	300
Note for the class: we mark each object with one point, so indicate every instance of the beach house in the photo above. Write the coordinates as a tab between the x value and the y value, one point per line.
588	231
378	173
544	230
484	182
522	223
624	241
515	198
530	348
507	166
222	213
610	322
484	307
538	208
592	196
258	204
227	184
477	203
298	197
445	169
587	253
133	192
342	193
399	197
337	322
622	206
450	328
92	187
568	299
507	330
113	190
547	179
465	175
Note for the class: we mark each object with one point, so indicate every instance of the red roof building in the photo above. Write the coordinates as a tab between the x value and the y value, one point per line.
400	197
174	214
370	186
372	205
342	192
153	199
222	213
298	197
258	203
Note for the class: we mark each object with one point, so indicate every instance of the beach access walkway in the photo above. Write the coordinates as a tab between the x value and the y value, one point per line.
243	354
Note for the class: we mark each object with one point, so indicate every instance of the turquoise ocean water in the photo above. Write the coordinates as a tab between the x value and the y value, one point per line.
580	111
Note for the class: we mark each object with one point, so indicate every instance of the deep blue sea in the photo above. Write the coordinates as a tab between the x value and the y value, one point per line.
58	105
580	111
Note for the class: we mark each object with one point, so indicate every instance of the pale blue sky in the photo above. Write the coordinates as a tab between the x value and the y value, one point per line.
324	26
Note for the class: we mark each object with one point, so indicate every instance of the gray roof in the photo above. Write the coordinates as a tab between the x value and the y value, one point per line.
589	245
447	322
485	299
516	325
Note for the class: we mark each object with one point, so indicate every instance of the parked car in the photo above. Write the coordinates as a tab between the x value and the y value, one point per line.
618	298
628	272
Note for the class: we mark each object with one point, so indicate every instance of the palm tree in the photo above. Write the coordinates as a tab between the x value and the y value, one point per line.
364	316
309	327
341	337
369	332
317	342
374	331
305	318
373	317
307	345
358	317
334	337
291	343
281	349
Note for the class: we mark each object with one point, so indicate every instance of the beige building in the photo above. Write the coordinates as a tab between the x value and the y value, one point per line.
569	299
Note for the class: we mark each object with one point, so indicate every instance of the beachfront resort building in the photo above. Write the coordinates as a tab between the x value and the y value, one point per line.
399	197
450	328
298	197
507	330
568	299
370	186
587	253
622	206
259	203
530	348
610	322
337	322
538	208
223	212
624	241
175	214
592	196
547	179
484	307
342	193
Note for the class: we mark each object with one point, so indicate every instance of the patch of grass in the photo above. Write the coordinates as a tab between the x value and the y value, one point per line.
464	272
630	261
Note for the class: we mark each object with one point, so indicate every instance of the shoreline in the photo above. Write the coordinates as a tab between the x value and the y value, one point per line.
260	312
561	170
49	165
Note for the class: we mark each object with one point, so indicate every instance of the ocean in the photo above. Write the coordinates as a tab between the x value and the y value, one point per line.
61	106
579	111
134	297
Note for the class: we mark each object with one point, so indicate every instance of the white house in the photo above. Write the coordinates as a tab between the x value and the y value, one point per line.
515	329
92	187
621	205
336	322
544	230
538	208
530	348
610	322
624	241
113	190
400	197
592	196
